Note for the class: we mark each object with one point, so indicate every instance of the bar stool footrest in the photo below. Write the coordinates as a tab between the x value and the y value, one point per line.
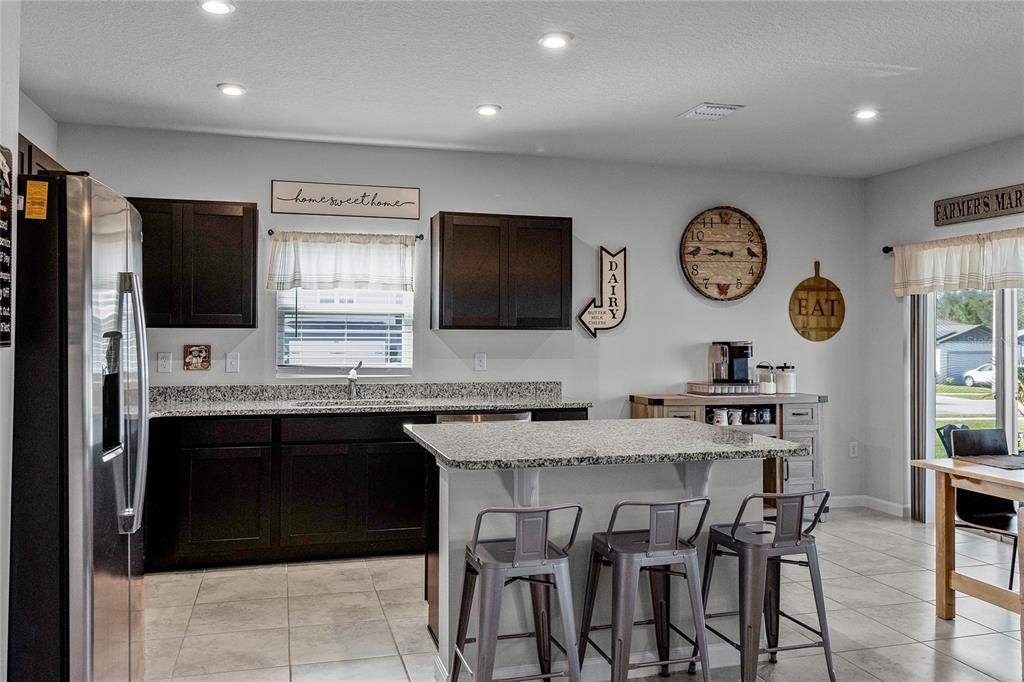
520	635
771	650
645	664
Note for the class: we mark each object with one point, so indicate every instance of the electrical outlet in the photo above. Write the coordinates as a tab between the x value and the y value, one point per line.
234	362
480	362
854	448
163	363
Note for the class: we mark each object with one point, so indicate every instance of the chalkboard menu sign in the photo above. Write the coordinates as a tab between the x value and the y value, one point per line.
6	252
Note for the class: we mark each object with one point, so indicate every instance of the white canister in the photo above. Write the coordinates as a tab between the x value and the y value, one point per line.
721	417
785	378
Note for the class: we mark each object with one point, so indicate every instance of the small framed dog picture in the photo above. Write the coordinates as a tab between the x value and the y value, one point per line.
197	356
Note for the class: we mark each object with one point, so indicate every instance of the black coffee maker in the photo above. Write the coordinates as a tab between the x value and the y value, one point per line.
729	362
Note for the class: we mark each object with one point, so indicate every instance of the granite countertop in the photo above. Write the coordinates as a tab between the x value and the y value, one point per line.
526	445
212	408
372	398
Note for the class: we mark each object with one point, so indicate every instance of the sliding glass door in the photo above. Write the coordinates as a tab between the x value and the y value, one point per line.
967	382
967	362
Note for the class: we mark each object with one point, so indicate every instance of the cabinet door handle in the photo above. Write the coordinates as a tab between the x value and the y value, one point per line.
801	413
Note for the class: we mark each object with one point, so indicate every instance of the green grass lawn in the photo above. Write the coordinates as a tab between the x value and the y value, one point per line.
968	392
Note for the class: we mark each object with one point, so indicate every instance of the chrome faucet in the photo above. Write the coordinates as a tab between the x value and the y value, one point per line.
353	377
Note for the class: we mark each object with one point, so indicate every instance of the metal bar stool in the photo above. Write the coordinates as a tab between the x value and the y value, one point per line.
760	546
528	557
654	550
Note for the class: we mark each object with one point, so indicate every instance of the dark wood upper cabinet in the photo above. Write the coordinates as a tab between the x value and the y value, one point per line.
32	160
161	259
199	263
501	271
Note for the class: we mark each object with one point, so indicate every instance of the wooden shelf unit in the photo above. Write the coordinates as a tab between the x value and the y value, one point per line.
798	417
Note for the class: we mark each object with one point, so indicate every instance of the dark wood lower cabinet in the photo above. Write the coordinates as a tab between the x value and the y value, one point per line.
396	475
236	490
319	502
225	500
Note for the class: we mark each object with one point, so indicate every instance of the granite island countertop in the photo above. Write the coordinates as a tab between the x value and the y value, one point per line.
527	445
372	398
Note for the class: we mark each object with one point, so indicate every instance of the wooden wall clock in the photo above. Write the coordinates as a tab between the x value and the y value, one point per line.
723	253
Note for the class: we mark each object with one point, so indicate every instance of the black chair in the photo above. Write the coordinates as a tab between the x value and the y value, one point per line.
977	510
944	432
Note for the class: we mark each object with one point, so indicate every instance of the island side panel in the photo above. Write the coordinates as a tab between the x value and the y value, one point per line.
463	493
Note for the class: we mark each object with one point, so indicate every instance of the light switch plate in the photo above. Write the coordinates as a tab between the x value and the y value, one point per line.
163	363
234	362
480	362
854	449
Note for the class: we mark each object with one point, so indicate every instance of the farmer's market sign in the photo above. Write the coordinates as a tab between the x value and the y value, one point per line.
980	205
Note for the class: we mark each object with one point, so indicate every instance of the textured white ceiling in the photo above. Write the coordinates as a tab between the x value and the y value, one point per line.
946	76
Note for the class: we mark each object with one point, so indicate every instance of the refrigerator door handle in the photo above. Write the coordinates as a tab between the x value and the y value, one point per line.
131	517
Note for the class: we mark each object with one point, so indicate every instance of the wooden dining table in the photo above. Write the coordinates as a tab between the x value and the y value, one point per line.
963	474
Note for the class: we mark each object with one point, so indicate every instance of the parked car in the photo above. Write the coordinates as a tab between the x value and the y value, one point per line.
983	375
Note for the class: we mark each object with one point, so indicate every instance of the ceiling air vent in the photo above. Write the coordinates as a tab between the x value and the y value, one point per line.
709	111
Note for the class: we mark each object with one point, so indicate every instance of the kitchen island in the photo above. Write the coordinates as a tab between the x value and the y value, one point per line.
596	464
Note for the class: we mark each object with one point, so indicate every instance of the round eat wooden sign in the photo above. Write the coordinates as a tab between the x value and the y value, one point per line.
817	308
723	253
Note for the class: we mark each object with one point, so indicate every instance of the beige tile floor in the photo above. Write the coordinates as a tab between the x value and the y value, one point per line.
365	620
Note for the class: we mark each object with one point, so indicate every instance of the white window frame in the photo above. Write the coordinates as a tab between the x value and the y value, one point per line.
369	369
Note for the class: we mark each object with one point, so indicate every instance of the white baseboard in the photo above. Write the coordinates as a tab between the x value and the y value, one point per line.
595	669
884	506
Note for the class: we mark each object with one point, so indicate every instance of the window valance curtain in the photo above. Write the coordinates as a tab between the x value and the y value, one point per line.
328	260
993	260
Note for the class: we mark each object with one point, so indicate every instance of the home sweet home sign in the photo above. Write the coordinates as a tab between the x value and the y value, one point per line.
332	199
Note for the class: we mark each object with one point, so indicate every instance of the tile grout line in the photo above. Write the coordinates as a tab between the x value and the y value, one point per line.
192	608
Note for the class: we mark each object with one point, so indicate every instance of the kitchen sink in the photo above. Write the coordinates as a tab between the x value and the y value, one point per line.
355	402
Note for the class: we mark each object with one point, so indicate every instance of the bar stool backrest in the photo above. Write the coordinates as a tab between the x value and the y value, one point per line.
663	536
789	515
531	531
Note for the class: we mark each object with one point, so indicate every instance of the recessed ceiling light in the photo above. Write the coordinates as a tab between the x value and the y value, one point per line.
231	89
488	109
218	6
555	40
866	114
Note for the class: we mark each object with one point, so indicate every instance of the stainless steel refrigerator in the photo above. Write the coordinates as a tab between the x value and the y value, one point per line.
80	434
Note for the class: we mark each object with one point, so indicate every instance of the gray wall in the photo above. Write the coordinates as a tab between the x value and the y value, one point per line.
899	210
663	340
37	126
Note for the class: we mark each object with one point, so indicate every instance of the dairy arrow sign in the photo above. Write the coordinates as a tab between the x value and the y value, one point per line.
608	312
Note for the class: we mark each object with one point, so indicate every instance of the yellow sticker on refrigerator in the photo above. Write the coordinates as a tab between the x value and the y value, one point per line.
35	199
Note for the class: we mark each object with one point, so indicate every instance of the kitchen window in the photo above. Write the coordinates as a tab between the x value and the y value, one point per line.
327	331
343	299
